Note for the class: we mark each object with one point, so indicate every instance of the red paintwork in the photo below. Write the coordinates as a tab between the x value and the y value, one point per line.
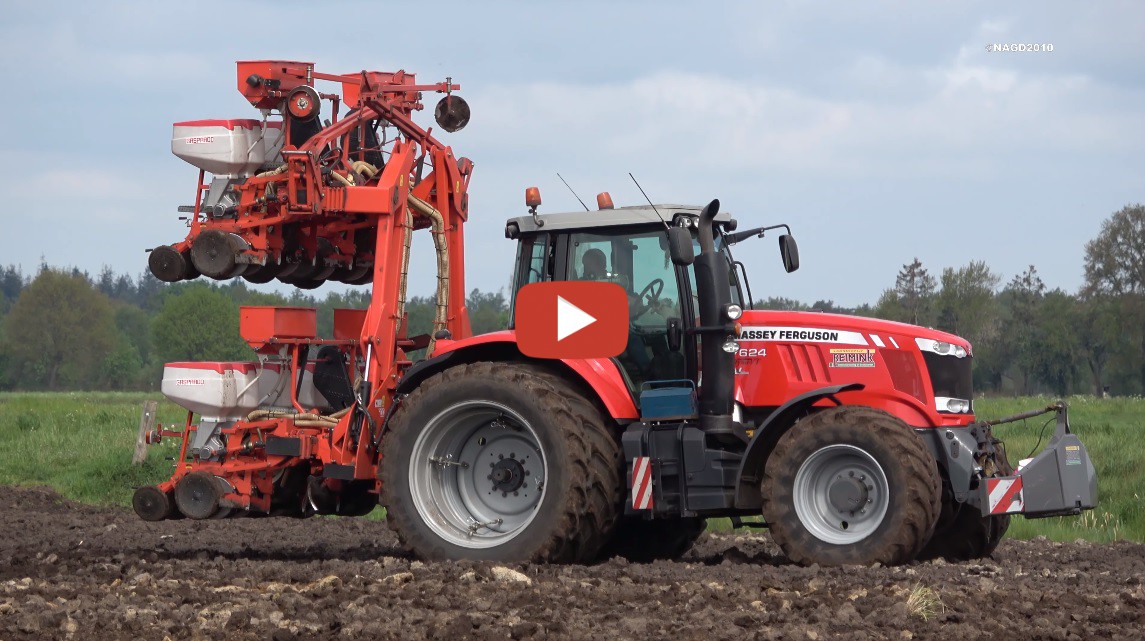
601	374
218	366
229	123
301	199
791	366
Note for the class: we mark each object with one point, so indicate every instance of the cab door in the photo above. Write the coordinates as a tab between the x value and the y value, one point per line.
638	261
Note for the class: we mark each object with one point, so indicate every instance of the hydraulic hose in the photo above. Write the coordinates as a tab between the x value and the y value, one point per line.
440	244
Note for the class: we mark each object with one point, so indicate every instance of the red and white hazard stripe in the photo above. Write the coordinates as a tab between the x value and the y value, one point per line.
1005	495
642	483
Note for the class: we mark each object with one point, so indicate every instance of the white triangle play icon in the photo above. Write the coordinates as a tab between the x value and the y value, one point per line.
571	319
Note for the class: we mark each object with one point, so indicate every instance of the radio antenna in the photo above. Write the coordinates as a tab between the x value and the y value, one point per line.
649	201
573	192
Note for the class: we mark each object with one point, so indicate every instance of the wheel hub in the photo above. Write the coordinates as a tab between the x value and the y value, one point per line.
848	493
508	475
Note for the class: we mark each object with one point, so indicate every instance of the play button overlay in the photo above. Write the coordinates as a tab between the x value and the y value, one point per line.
570	319
573	319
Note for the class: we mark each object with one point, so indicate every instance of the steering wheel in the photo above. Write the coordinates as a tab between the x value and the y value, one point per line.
652	290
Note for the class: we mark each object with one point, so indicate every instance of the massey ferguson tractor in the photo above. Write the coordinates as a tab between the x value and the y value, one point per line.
854	439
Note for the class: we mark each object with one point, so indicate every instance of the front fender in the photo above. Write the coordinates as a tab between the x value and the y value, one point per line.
601	375
766	436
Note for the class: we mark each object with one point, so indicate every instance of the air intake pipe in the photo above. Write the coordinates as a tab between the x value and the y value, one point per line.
717	388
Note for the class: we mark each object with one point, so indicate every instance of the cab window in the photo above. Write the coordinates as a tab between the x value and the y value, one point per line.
641	265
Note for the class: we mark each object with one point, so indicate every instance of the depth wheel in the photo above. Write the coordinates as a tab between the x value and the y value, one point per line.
152	504
500	461
851	485
197	495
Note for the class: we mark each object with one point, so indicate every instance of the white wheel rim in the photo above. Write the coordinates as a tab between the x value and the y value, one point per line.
841	494
477	474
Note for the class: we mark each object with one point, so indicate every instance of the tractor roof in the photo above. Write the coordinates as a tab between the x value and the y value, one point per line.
637	215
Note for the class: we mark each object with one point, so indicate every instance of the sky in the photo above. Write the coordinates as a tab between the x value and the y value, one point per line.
880	131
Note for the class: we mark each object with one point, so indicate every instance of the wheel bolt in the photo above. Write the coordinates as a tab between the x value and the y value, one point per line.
515	494
504	494
500	456
851	474
512	455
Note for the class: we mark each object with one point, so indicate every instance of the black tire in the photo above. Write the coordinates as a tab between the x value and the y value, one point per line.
643	541
968	535
911	496
197	495
152	504
581	498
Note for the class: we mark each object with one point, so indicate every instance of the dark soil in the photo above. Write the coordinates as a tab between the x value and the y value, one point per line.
70	571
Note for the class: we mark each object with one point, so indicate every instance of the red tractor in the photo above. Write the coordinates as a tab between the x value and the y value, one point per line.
855	439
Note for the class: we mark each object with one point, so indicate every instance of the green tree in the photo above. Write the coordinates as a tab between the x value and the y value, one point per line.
1056	350
58	333
1115	267
1023	296
1099	335
781	304
488	312
199	323
965	305
912	299
11	284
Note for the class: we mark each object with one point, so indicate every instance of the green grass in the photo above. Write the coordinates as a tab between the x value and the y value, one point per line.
1113	430
81	444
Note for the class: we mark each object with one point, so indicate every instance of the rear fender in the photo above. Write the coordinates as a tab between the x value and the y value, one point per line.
766	436
600	375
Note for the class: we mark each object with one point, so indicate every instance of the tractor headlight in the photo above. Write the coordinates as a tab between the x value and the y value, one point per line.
731	346
733	311
951	405
940	347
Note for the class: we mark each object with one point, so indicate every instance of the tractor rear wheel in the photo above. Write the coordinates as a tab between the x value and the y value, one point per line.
500	461
644	541
851	485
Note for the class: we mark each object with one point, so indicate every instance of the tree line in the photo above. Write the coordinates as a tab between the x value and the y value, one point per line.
66	329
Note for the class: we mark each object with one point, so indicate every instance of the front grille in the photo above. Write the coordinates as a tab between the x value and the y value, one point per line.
950	376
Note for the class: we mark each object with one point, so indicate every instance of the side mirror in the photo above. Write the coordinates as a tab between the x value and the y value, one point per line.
680	246
789	250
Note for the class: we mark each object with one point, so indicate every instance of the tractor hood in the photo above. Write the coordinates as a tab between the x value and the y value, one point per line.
921	375
852	330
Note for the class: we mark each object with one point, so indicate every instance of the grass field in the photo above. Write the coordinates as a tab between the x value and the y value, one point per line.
81	444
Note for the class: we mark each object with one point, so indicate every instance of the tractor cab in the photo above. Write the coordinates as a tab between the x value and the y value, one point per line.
630	247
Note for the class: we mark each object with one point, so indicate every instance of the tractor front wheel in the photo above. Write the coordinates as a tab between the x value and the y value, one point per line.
966	534
851	485
500	461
